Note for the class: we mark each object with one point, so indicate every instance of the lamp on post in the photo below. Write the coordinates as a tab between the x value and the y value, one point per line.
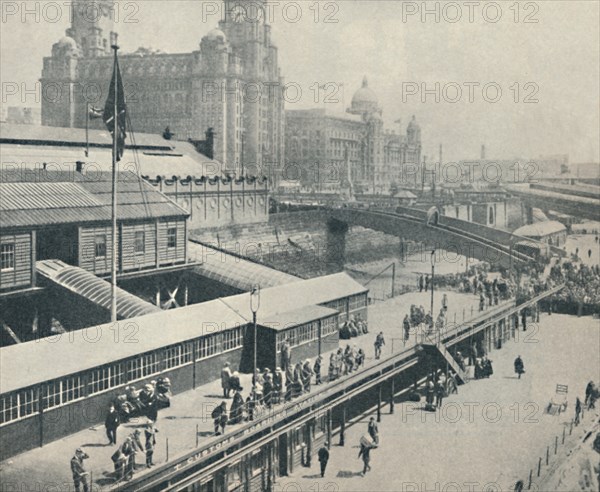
254	305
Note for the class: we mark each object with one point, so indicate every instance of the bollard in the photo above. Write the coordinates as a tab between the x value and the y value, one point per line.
564	433
530	479
167	444
547	455
555	444
196	435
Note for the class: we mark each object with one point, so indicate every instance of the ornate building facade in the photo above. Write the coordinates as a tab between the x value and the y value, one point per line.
232	84
318	146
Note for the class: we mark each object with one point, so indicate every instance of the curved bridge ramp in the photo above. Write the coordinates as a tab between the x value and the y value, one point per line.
92	288
480	242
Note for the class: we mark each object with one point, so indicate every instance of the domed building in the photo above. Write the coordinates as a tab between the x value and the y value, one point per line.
364	100
319	144
187	92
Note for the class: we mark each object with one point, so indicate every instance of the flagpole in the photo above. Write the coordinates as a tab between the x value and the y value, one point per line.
113	272
87	129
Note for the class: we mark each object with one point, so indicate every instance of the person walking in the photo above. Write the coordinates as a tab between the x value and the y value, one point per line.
80	475
286	355
373	430
128	451
420	283
365	453
225	380
317	369
379	343
111	423
445	302
323	454
150	433
519	366
426	283
577	411
219	414
440	392
406	327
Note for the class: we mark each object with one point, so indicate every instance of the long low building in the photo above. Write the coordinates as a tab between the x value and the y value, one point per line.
83	371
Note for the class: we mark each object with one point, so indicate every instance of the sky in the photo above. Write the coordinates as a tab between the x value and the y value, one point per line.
523	78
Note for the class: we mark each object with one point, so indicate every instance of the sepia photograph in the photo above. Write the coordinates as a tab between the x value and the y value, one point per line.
300	246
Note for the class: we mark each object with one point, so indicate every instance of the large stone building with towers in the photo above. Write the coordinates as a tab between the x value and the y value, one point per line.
320	146
232	83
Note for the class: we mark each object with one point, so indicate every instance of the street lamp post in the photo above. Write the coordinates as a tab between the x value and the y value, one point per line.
254	305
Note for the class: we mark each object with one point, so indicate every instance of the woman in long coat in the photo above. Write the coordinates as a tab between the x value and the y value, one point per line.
237	407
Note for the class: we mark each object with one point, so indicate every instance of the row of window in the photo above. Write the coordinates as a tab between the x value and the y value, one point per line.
307	332
139	242
21	404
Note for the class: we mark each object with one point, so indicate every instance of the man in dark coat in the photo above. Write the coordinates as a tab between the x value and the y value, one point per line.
237	408
373	430
80	475
519	366
420	282
323	454
219	415
111	423
286	355
150	433
317	369
365	452
406	327
129	451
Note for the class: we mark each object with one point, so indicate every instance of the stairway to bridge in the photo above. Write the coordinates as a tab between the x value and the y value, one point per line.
85	284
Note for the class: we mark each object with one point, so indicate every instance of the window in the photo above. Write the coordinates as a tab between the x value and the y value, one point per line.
7	257
105	378
101	246
172	237
9	408
142	366
232	339
62	391
177	355
140	242
208	346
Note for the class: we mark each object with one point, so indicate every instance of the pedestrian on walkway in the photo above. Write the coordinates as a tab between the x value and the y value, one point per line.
429	396
225	380
317	369
80	475
286	355
445	302
150	433
129	451
219	415
426	283
519	366
373	430
234	382
440	392
420	283
379	343
481	302
237	408
323	457
577	411
277	385
365	453
111	423
360	358
119	460
406	327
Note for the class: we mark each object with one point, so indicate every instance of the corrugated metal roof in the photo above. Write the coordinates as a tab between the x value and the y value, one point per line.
29	196
86	284
27	204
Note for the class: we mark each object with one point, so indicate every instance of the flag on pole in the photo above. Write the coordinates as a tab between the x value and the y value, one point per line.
116	101
95	113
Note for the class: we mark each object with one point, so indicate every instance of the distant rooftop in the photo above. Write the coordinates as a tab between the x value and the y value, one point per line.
540	229
30	146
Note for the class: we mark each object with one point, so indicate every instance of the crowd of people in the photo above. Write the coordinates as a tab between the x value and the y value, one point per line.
581	294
